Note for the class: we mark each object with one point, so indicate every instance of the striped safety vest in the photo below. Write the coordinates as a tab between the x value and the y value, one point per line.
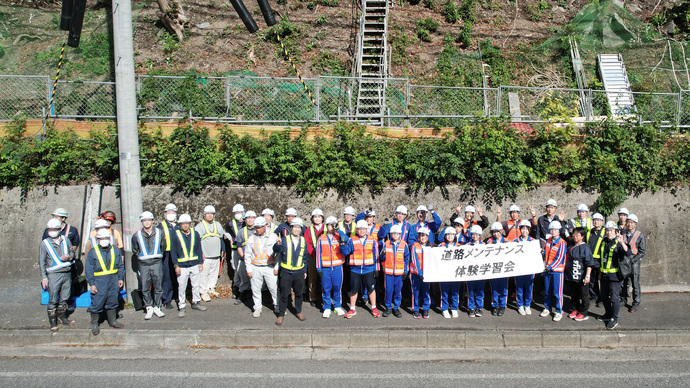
353	228
261	258
103	270
185	252
606	260
166	231
144	254
597	251
236	229
513	229
287	263
363	254
57	263
633	242
208	231
330	255
395	259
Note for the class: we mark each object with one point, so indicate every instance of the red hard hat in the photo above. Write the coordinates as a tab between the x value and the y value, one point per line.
110	216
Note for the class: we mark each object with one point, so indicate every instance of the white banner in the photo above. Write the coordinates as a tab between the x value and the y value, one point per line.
478	262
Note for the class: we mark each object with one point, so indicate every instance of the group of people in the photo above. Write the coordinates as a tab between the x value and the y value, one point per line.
356	256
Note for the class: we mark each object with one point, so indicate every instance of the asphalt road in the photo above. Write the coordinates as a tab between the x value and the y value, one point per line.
118	367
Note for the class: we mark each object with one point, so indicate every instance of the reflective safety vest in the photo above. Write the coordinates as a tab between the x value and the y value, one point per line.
374	230
145	254
314	235
166	231
363	254
208	232
261	258
353	228
103	270
395	259
330	251
606	260
597	254
633	242
551	255
235	228
245	232
287	263
588	224
186	252
417	260
513	229
57	263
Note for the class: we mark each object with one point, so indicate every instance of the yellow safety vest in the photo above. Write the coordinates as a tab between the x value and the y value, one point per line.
237	230
353	229
166	230
299	265
608	268
186	253
596	253
104	271
246	233
208	232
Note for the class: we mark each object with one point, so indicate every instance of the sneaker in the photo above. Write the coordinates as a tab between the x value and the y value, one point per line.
425	314
454	313
417	315
471	313
169	306
181	313
545	313
256	313
205	297
581	317
501	311
340	311
351	314
557	317
528	310
573	314
375	312
198	306
157	312
494	311
397	313
326	313
612	324
602	318
633	309
446	314
386	313
149	313
478	312
521	310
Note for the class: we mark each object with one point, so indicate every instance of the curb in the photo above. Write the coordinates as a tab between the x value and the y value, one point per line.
315	338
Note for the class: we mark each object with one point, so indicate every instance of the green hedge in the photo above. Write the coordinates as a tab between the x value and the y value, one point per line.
490	158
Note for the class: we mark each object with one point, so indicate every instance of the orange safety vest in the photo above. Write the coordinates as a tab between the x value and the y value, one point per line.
261	258
362	254
330	252
395	261
633	242
513	230
374	231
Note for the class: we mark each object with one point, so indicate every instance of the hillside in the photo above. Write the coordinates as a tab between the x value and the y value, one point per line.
319	33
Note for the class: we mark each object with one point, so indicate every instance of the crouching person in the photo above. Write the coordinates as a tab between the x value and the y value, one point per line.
292	250
105	273
55	257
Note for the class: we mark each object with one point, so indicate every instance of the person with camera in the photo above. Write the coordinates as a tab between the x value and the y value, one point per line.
613	251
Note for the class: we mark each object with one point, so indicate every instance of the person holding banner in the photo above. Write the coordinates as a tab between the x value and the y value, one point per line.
363	251
578	274
420	290
396	260
450	289
475	288
554	260
499	286
524	284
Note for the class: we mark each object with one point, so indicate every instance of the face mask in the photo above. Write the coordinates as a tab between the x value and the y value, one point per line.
238	216
104	243
53	233
171	217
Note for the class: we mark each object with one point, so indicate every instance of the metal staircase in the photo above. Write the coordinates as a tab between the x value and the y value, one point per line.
616	84
372	62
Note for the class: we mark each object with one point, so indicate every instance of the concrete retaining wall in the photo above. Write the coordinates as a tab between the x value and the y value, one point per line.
663	217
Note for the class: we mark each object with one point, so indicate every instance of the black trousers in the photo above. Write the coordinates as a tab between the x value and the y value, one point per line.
610	295
290	281
579	296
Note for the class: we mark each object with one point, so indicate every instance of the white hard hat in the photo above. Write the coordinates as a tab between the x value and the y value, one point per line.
370	213
54	223
597	216
555	225
100	223
103	233
514	208
259	222
238	208
551	202
623	211
396	229
496	226
476	229
469	208
450	230
422	208
424	230
331	220
317	212
611	225
297	222
291	212
184	218
361	224
250	214
170	206
582	208
269	212
525	223
147	215
349	211
60	212
209	209
633	218
401	209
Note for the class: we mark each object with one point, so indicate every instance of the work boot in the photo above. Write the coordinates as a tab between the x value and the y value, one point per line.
112	321
52	320
62	317
94	324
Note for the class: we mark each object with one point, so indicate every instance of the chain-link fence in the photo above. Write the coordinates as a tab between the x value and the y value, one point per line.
387	102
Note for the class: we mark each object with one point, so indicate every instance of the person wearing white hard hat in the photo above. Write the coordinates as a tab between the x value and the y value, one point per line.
540	226
213	248
232	230
420	290
581	221
312	235
148	245
169	227
427	218
524	284
188	260
55	257
285	229
638	246
578	273
363	251
373	228
105	274
408	234
475	288
450	291
66	229
622	219
260	260
594	239
269	215
292	251
241	280
499	287
105	223
613	250
329	264
462	235
511	228
395	262
349	227
554	263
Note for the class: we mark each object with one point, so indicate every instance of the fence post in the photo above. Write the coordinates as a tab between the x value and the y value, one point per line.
680	105
227	96
317	98
407	101
590	105
499	98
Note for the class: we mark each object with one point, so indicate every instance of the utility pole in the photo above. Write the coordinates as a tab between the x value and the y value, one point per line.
127	133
